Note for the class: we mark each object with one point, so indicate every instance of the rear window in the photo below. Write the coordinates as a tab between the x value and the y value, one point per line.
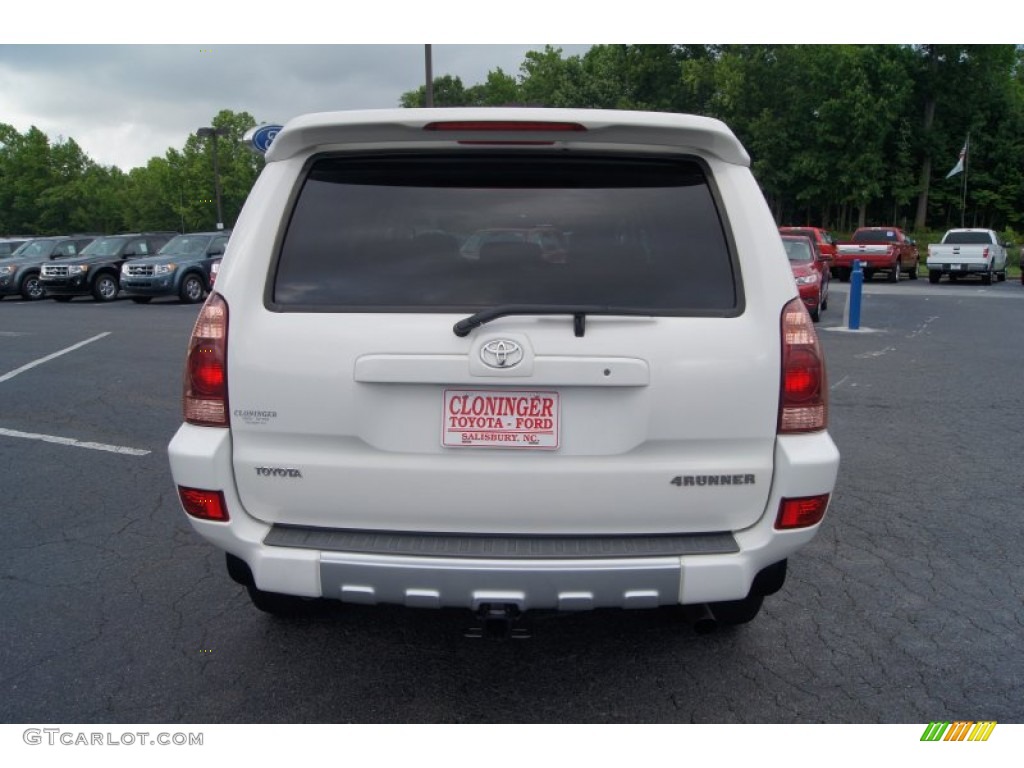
875	236
967	238
460	232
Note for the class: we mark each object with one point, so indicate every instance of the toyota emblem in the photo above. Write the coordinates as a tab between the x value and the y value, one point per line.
501	353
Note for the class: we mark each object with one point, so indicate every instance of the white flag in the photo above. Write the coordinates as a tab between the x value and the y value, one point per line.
959	167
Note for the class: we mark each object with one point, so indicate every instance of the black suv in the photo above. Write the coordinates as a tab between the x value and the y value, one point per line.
181	268
19	272
98	270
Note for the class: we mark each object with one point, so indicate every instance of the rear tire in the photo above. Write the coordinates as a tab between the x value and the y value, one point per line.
986	279
934	276
913	272
273	603
733	612
277	604
894	273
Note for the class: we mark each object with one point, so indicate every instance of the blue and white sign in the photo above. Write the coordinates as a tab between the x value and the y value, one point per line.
260	137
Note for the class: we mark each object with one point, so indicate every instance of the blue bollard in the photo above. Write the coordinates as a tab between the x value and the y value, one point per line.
856	287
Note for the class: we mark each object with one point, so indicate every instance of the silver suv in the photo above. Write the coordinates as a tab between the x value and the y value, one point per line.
375	413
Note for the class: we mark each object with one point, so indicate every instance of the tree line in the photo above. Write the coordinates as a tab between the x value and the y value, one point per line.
53	187
839	135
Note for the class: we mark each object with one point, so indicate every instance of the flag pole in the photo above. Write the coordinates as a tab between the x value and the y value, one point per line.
963	198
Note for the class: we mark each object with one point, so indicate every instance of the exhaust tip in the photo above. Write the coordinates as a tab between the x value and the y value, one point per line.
704	621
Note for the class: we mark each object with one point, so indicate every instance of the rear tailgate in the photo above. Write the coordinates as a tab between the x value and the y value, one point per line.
958	254
368	433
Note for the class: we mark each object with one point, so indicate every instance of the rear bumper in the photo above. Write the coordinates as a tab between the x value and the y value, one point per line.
958	267
319	562
866	261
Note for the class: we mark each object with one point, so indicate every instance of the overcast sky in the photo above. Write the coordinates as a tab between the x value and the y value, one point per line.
125	103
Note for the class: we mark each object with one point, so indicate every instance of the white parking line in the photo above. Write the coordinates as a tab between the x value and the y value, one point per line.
46	359
75	443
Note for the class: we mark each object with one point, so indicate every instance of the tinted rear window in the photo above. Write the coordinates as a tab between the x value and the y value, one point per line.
968	238
459	232
875	236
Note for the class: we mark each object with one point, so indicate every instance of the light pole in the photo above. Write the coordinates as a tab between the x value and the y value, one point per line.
205	133
428	60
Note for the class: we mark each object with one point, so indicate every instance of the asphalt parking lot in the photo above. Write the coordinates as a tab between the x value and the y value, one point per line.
907	608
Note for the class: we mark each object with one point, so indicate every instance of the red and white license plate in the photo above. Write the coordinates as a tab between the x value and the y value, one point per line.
484	418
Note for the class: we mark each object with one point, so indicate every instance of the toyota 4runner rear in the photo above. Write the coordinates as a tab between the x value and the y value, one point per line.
376	415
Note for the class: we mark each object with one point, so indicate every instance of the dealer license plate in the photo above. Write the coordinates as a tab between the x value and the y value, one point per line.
484	418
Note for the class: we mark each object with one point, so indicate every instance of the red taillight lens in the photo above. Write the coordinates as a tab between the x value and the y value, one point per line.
803	401
205	505
801	513
503	125
206	373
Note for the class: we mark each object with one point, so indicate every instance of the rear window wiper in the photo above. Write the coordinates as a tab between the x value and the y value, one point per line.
579	314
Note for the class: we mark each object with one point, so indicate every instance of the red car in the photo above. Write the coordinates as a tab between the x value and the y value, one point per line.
811	272
822	238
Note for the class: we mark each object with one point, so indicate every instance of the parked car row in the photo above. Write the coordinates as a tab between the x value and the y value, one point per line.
142	265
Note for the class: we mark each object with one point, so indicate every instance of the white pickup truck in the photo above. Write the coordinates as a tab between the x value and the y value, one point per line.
968	252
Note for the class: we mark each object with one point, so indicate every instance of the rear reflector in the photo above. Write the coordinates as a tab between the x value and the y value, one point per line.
801	513
205	505
206	373
803	399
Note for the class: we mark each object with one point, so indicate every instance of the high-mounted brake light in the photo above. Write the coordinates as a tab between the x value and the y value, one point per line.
503	125
205	396
803	400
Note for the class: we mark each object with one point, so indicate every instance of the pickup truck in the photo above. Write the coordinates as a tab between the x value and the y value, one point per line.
965	252
879	249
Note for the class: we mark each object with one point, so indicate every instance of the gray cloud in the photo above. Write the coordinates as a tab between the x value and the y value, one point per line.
127	103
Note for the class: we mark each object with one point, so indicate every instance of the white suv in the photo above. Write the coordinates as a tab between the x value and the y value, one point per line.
374	416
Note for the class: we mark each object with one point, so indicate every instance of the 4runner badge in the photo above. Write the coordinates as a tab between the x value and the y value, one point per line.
501	353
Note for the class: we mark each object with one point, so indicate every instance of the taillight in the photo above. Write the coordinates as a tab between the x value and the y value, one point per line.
803	400
801	513
205	505
206	367
505	126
